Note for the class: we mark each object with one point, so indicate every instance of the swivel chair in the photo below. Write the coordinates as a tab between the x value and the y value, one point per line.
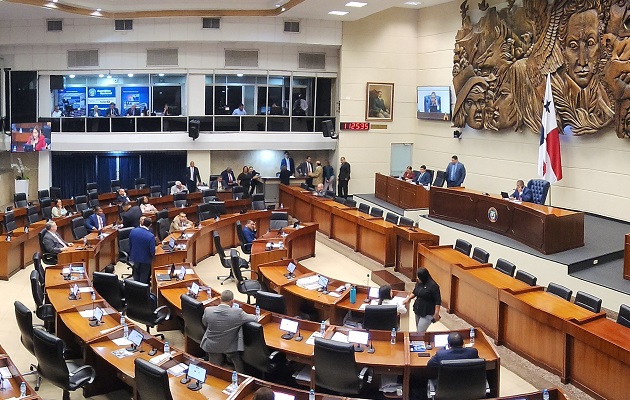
245	286
463	246
480	255
79	231
459	380
623	318
539	188
109	287
391	217
192	313
588	301
505	266
336	368
48	258
376	212
141	306
272	302
155	191
381	317
152	381
560	291
364	208
24	319
278	220
256	353
139	183
19	200
440	178
526	277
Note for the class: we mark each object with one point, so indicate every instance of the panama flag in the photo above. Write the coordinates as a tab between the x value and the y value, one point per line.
549	160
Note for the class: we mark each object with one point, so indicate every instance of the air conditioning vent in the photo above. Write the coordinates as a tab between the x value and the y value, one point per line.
55	25
241	58
123	24
160	57
82	58
292	26
211	23
312	60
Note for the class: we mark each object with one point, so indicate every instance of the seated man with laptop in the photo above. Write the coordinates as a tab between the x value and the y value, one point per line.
457	351
521	193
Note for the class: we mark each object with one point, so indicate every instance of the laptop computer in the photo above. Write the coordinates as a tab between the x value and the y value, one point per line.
170	246
166	277
505	195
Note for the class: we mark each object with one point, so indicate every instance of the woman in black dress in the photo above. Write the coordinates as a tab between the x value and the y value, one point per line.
428	300
244	179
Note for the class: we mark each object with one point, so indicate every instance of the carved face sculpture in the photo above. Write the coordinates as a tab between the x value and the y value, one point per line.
581	47
474	106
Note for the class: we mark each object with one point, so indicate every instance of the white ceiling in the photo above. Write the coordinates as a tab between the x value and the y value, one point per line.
311	9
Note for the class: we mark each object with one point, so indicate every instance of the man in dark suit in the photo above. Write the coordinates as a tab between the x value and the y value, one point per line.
228	177
131	215
96	222
424	178
192	177
52	241
223	331
133	111
455	173
288	163
343	178
122	197
305	169
249	231
142	251
522	192
218	184
112	111
456	351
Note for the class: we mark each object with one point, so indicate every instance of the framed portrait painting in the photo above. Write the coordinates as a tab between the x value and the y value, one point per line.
379	102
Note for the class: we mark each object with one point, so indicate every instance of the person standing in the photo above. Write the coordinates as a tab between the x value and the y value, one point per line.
317	175
288	162
329	177
240	110
223	335
344	177
428	300
244	179
192	177
305	169
256	184
284	175
142	251
455	173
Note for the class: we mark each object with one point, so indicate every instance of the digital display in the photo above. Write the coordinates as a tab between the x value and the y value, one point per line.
29	137
135	337
98	314
194	289
440	340
373	293
434	102
288	325
323	281
196	372
358	337
182	273
291	267
354	126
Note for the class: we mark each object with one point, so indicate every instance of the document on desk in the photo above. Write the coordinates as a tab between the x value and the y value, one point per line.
372	303
122	353
121	341
190	271
339	337
311	339
309	282
178	370
86	289
90	313
6	374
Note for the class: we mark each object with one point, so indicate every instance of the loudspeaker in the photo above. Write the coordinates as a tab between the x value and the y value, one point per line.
328	129
56	82
193	128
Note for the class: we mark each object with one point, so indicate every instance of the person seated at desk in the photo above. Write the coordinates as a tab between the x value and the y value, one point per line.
457	351
96	222
59	210
249	231
56	113
52	242
178	187
424	178
240	110
122	197
112	111
223	336
95	112
180	223
132	111
228	177
522	192
131	215
385	296
218	184
146	207
408	174
319	190
284	175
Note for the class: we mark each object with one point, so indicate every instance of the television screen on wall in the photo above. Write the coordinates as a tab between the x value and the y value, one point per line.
434	102
31	136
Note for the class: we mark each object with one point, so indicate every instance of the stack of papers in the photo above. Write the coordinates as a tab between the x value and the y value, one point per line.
308	283
178	370
161	359
311	340
90	313
122	353
6	374
339	337
121	341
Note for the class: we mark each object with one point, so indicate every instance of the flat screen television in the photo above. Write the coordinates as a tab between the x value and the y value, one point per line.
434	102
30	136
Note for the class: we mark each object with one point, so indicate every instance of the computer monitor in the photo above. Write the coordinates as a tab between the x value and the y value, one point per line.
440	340
290	268
358	338
323	282
198	374
182	273
194	289
171	243
135	338
98	314
373	293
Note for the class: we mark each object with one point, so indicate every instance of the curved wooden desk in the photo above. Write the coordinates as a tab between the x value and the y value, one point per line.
400	193
297	243
11	386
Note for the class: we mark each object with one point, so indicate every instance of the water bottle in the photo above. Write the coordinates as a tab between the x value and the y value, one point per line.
209	292
281	205
257	312
393	339
23	389
472	335
126	331
311	395
234	379
167	348
545	394
85	240
93	296
122	320
353	294
322	328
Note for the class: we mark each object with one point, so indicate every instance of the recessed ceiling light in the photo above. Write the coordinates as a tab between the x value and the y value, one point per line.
109	76
71	76
356	4
160	74
338	12
55	1
101	75
283	9
98	9
239	75
130	75
413	3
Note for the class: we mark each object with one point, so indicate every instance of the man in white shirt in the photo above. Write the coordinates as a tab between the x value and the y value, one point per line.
178	188
56	113
52	242
240	110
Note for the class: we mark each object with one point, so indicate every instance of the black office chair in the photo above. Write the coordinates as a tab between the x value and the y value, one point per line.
351	203
440	178
208	195
87	213
245	286
278	220
141	306
93	200
155	191
48	258
49	351
330	194
459	380
364	208
560	291
526	277
180	200
24	319
404	221
139	183
246	248
151	381
257	354
123	246
91	187
37	266
43	194
336	368
44	311
505	266
391	217
539	188
45	205
623	318
80	203
376	212
55	192
19	200
382	318
163	225
272	302
238	192
9	222
109	287
588	301
226	262
463	246
258	201
31	215
162	214
340	200
169	185
115	185
480	255
192	313
204	212
79	231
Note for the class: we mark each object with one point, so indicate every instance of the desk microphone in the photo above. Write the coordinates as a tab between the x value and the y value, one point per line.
299	336
93	298
371	348
367	283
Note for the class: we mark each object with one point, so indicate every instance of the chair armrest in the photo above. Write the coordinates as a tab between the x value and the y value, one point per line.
276	356
251	271
83	368
431	388
366	374
247	248
159	313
